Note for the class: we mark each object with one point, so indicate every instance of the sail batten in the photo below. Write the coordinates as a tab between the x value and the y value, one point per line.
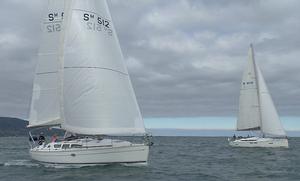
103	68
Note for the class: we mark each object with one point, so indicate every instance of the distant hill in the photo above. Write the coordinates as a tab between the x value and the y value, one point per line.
13	127
17	127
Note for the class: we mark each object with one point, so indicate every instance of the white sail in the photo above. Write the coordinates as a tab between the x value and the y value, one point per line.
97	92
271	123
249	111
45	107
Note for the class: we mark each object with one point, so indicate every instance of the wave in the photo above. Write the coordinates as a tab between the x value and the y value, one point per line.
69	166
26	163
30	163
135	164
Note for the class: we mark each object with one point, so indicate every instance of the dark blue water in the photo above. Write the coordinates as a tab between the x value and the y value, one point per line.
171	158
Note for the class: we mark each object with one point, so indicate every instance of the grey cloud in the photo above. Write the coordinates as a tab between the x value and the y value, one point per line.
185	57
204	79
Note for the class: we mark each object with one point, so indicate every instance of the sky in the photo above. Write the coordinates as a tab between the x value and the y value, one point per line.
210	123
185	57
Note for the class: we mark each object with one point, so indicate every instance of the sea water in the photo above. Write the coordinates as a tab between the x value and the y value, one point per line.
171	158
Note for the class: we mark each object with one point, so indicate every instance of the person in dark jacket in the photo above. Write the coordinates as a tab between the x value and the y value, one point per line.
234	137
41	138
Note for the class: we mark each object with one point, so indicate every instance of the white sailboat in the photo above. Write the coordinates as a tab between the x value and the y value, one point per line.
257	111
82	86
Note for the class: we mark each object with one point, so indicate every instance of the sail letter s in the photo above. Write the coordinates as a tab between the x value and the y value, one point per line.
51	16
86	17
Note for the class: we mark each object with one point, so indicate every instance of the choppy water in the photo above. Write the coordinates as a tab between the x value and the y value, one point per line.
171	158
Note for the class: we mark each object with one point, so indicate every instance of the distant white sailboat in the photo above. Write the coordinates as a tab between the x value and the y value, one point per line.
82	86
257	111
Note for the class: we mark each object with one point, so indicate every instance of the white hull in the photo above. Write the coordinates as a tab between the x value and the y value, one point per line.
260	142
118	152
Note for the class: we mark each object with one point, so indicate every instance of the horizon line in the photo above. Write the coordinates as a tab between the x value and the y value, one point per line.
207	129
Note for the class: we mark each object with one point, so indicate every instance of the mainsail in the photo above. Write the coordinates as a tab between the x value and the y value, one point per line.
98	98
249	111
45	106
257	110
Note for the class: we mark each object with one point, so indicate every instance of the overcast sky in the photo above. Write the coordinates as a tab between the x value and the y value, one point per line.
185	57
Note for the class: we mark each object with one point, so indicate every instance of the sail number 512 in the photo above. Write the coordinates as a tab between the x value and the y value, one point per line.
53	28
96	23
100	21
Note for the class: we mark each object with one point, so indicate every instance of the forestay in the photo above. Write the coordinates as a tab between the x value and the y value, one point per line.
249	111
97	92
45	106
